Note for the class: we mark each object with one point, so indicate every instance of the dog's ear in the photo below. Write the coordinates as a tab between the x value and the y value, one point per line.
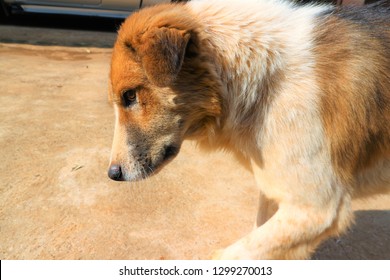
162	54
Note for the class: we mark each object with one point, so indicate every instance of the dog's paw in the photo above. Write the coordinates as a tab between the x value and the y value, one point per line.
236	251
225	254
217	255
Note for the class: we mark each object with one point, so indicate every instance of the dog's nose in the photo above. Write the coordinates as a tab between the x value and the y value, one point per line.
115	172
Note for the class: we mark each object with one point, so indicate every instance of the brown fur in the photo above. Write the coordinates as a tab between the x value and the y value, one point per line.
356	99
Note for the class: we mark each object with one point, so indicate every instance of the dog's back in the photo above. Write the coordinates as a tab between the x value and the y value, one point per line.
353	59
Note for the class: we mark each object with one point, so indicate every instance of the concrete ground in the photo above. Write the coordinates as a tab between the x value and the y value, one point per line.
56	201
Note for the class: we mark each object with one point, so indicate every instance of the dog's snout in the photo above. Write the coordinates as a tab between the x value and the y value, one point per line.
115	172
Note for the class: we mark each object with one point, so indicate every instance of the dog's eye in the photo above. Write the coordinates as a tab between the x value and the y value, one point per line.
129	97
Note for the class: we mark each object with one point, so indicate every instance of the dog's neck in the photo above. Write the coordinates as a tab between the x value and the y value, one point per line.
249	63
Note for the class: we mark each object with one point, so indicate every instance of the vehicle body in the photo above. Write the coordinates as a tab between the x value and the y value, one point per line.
101	8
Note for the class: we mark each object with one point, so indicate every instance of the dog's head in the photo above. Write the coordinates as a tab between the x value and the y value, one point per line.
160	90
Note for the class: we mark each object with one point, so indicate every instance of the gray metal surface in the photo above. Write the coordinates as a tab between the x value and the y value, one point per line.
103	8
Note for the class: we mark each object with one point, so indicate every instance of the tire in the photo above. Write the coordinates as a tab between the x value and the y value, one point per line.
4	11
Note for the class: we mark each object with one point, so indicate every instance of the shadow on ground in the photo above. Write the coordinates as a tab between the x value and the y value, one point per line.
368	239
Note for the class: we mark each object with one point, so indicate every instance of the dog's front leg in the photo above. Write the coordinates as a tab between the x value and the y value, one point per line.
306	215
292	233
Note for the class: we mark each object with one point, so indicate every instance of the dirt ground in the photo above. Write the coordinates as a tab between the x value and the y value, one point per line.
56	201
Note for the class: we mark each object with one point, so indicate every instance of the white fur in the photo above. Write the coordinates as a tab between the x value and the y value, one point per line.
288	149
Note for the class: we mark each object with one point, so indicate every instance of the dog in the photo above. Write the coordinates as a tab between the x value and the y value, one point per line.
300	94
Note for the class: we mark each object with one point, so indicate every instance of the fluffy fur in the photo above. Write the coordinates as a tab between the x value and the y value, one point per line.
301	95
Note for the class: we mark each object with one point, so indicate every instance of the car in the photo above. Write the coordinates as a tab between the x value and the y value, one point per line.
100	8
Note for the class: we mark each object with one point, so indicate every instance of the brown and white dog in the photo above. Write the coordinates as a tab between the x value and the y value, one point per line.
300	94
